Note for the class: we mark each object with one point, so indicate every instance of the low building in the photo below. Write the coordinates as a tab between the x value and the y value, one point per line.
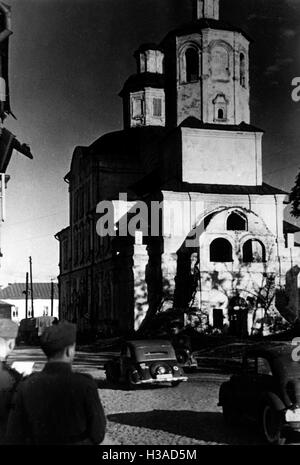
14	295
5	309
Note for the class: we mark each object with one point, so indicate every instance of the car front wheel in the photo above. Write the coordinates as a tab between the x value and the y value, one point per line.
272	425
130	380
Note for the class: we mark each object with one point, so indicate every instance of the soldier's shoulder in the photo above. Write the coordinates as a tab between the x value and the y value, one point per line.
84	378
30	378
13	373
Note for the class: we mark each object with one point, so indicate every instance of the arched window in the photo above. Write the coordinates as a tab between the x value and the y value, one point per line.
254	252
220	113
221	251
220	107
192	64
236	222
242	70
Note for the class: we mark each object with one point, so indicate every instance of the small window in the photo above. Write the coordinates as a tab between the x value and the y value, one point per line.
192	64
220	107
137	108
157	107
254	252
221	251
236	222
263	367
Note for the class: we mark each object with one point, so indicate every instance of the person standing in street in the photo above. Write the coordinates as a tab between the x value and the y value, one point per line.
9	377
56	405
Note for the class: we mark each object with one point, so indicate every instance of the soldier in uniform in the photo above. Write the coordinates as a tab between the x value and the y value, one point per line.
56	405
8	377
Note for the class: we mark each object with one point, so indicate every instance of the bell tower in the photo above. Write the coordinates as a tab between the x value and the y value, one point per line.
212	73
208	9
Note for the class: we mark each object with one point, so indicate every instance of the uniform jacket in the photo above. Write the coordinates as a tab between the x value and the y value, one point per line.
56	406
8	381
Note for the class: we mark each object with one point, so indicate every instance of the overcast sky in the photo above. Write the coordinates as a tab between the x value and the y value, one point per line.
68	61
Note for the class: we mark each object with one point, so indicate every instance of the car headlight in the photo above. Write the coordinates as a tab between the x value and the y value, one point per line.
161	370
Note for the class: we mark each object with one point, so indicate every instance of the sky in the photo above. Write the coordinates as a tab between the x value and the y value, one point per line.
68	62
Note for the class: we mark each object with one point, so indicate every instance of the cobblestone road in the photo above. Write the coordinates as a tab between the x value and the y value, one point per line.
184	415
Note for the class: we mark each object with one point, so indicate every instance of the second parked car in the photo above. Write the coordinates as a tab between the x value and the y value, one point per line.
145	362
266	391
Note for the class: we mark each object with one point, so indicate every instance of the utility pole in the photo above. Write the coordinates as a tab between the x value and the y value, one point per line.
26	297
31	286
52	296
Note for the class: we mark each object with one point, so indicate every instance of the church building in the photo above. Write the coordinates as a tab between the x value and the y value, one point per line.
188	147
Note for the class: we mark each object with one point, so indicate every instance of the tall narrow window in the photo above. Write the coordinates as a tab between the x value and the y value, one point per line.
157	107
220	113
221	251
192	64
137	108
143	63
242	70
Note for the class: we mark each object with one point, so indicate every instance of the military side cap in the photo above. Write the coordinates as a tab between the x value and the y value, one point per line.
8	328
57	337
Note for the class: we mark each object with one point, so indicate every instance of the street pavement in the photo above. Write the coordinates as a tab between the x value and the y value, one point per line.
184	415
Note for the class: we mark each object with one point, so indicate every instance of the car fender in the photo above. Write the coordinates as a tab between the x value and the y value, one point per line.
224	392
274	399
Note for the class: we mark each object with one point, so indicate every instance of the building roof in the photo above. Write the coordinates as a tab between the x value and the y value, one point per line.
148	46
62	232
152	182
127	148
17	291
204	23
264	189
139	81
290	228
4	304
195	123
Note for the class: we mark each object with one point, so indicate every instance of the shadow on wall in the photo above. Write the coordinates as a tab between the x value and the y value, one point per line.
287	300
202	426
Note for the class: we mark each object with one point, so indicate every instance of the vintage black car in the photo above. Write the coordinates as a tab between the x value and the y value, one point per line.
145	362
28	332
266	391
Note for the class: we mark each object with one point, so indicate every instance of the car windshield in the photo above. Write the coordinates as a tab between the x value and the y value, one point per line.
144	354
